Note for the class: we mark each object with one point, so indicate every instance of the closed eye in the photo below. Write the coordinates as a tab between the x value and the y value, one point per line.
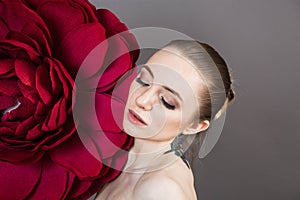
167	105
141	82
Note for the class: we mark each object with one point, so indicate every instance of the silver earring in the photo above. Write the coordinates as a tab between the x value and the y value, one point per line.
176	146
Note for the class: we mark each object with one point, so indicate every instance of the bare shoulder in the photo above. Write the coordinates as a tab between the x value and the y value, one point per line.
173	182
158	187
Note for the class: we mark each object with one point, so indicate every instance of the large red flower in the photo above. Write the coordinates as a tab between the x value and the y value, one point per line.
42	46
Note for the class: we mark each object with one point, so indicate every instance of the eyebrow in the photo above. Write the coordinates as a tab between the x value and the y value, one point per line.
165	87
148	69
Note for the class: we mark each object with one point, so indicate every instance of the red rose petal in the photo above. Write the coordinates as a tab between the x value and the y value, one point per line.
36	3
41	36
6	131
6	65
18	36
28	92
16	15
87	192
121	62
57	117
7	128
92	67
66	81
128	143
108	143
84	111
123	43
8	74
113	26
9	87
17	181
53	181
72	54
108	161
71	16
17	141
109	112
17	47
73	155
118	163
25	126
111	22
35	133
79	188
55	82
25	72
22	112
82	4
43	84
41	111
3	29
121	90
70	184
57	137
6	102
21	156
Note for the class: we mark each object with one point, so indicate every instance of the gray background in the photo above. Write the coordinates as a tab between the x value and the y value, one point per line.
257	156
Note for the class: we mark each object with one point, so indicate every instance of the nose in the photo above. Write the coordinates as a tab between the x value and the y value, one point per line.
146	99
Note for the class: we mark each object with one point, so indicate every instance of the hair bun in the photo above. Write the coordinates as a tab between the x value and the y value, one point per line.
231	95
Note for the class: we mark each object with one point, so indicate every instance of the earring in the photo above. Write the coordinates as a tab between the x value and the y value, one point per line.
176	146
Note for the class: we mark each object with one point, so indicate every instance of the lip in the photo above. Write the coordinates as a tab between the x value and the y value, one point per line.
135	118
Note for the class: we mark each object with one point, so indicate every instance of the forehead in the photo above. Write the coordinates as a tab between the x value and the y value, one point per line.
170	67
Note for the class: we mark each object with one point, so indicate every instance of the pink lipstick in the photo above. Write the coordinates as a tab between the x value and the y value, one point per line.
135	118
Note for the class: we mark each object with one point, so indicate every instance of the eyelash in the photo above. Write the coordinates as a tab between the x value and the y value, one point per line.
141	82
166	104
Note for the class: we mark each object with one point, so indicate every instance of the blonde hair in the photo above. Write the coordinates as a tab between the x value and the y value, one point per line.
213	102
203	56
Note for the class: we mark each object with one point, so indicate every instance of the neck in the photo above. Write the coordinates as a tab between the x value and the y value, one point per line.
146	146
147	155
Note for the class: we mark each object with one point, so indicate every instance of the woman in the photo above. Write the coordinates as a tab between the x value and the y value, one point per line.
174	97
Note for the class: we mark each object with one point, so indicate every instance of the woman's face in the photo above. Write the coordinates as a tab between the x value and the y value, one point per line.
163	99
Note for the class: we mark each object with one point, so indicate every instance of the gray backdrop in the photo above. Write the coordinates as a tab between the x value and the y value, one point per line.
257	156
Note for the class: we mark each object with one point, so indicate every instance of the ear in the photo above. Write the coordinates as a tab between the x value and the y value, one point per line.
197	127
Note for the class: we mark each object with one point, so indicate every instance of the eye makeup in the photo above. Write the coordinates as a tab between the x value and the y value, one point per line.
144	73
166	104
138	79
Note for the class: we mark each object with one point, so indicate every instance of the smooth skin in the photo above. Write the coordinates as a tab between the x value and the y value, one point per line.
165	95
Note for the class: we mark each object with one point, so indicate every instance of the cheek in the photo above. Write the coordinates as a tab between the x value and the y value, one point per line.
174	121
132	88
178	122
